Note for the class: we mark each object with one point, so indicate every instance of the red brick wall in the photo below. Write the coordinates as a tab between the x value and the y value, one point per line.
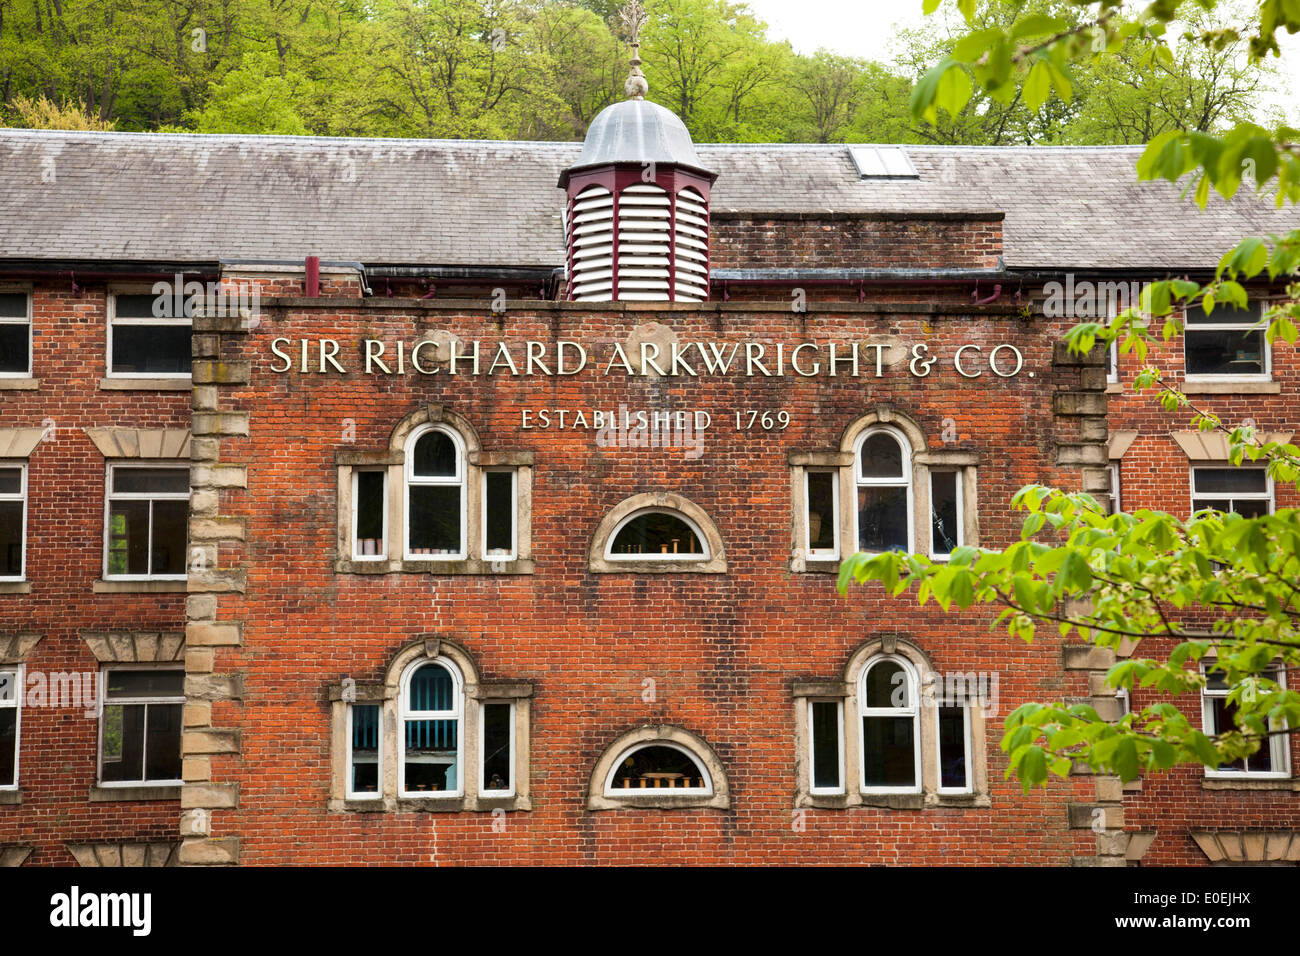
65	526
724	650
854	241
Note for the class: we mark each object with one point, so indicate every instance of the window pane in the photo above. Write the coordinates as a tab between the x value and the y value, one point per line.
11	539
13	305
821	511
1224	314
1224	351
888	758
497	731
169	531
151	349
138	306
132	683
435	519
882	518
431	689
499	489
887	686
128	537
13	347
11	481
1221	715
952	747
826	744
945	535
8	745
1231	480
653	768
163	750
1249	507
144	481
657	533
431	755
882	457
370	512
435	456
123	742
365	748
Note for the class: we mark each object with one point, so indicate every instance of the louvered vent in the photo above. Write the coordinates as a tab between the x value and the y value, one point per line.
643	244
691	247
591	244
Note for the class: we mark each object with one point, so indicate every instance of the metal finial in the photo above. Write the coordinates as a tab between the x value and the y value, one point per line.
634	17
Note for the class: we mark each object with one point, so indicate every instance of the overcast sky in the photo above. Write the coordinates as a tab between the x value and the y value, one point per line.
865	28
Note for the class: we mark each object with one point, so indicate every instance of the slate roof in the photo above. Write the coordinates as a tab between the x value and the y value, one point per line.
191	198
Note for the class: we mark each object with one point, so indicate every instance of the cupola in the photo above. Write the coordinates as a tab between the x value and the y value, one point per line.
637	202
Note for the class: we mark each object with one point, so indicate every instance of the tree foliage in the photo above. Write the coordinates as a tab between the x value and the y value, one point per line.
542	69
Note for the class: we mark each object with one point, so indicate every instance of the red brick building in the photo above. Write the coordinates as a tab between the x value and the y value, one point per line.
514	515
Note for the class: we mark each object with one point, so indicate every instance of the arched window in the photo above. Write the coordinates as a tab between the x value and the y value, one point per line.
883	479
657	535
432	717
891	740
664	767
436	505
657	767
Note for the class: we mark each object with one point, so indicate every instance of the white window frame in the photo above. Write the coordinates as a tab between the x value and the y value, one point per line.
1266	496
960	492
1116	499
906	481
1279	749
514	513
613	792
482	748
104	702
404	714
969	786
11	320
707	555
110	497
356	511
1112	371
821	554
21	497
812	748
913	710
114	321
379	755
18	673
458	481
1242	325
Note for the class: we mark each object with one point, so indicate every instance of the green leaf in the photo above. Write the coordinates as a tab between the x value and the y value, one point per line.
1038	85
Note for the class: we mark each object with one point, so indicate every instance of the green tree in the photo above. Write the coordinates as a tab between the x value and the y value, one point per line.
1150	578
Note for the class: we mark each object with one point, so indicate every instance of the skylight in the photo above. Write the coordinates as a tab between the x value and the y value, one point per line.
882	162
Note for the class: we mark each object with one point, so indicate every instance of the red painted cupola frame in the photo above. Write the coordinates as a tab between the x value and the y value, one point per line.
637	210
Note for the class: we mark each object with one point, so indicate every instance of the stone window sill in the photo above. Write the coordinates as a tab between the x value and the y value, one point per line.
659	802
431	804
139	587
831	566
10	798
15	587
708	566
1226	783
100	794
469	566
1232	388
19	384
893	801
160	384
